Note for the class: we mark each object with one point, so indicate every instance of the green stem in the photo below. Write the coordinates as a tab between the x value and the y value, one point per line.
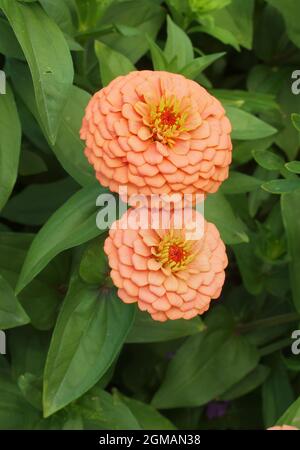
275	346
269	322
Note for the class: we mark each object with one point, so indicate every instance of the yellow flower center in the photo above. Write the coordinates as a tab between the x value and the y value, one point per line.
167	121
174	251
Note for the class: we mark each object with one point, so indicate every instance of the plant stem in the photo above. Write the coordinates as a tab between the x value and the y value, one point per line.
269	322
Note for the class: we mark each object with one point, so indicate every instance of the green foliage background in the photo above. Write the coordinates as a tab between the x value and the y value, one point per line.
77	358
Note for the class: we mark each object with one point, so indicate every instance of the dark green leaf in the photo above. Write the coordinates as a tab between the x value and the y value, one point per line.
112	63
11	312
246	126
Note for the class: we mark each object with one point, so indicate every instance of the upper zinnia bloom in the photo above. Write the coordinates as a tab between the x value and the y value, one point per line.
166	273
157	133
283	427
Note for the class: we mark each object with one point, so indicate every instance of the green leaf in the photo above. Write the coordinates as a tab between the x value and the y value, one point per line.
11	312
9	45
49	59
239	183
72	224
202	367
100	410
178	45
291	219
237	19
90	331
15	412
218	210
248	384
93	267
31	387
277	393
147	416
159	60
112	63
249	267
268	160
195	67
253	102
246	126
293	166
290	11
29	206
296	120
9	145
291	416
145	329
281	186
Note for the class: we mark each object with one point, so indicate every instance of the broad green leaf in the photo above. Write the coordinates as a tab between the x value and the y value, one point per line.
68	148
281	186
93	267
238	183
29	206
268	160
178	45
291	219
112	63
247	384
296	120
293	166
90	330
218	210
147	416
102	411
290	12
200	7
277	393
31	387
49	59
291	416
250	268
15	412
60	12
237	19
11	312
253	102
9	145
202	368
145	329
246	126
72	224
195	67
159	60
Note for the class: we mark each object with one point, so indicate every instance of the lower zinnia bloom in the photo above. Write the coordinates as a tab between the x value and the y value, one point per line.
283	427
165	272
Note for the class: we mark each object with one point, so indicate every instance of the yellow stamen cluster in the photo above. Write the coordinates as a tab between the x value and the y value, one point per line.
167	120
174	251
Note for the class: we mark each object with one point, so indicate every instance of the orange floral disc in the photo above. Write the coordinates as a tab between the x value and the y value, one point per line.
157	133
166	272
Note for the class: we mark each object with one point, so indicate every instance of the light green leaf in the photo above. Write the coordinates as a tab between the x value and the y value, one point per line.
159	60
72	224
195	67
202	367
246	126
218	210
49	59
281	186
291	415
90	330
11	312
178	45
268	160
293	166
239	183
290	12
291	219
296	120
112	63
9	145
145	329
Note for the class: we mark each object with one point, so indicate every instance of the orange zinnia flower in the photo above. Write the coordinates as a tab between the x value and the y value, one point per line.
157	132
283	427
165	272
